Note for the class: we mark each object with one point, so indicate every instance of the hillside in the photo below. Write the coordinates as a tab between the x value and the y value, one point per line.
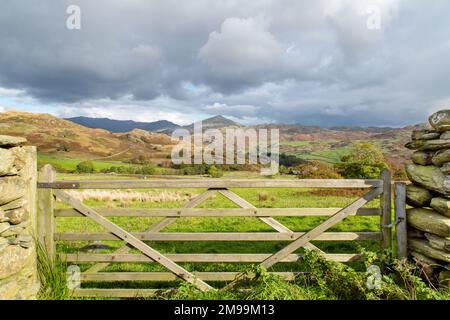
216	122
330	144
65	139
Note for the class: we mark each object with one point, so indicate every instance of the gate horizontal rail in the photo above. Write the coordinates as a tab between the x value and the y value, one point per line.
259	212
211	184
196	257
220	236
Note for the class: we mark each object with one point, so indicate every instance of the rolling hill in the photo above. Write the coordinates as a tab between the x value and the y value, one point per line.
216	122
330	144
65	139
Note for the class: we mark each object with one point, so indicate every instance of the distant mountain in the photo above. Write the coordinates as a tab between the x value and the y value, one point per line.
124	125
161	126
367	129
216	122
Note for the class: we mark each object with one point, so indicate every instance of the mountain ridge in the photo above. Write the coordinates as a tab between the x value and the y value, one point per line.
215	122
122	126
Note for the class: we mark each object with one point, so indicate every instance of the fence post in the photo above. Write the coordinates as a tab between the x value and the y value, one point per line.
386	219
400	220
46	218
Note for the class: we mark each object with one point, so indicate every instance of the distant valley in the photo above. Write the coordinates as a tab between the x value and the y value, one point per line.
117	140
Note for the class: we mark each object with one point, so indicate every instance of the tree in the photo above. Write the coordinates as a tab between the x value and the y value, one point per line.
147	169
214	172
85	167
366	161
290	160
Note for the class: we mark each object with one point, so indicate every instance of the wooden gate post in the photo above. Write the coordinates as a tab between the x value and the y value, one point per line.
386	207
400	220
46	218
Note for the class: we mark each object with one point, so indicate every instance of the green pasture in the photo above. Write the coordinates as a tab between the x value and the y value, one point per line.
71	164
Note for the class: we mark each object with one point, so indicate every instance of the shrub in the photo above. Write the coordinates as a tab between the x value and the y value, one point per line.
85	167
143	169
366	161
263	196
147	169
214	172
63	147
194	169
290	160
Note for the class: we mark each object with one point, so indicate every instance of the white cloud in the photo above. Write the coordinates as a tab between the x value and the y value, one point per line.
313	62
242	47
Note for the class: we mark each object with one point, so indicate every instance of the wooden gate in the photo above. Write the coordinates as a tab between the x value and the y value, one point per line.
49	189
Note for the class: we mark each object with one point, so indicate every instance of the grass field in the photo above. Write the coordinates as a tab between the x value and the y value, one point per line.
71	164
330	151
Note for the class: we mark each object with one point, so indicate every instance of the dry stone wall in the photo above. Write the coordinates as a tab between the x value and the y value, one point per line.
18	268
429	195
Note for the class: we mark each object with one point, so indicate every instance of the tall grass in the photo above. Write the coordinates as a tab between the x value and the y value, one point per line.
327	280
124	195
52	275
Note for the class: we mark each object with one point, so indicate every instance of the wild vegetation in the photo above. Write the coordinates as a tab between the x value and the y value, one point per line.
320	279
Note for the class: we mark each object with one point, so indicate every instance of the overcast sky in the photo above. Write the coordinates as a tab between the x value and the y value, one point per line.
293	61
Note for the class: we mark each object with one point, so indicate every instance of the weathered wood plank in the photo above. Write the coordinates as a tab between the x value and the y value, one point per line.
196	257
231	212
401	237
213	183
319	230
116	293
167	276
221	236
45	212
132	240
386	210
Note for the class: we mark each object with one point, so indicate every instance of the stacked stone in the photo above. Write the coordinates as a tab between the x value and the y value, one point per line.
429	195
18	271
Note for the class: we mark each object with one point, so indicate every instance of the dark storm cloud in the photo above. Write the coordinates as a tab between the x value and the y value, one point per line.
313	62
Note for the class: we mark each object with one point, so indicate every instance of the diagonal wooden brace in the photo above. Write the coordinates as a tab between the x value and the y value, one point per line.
267	220
132	240
311	235
156	228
